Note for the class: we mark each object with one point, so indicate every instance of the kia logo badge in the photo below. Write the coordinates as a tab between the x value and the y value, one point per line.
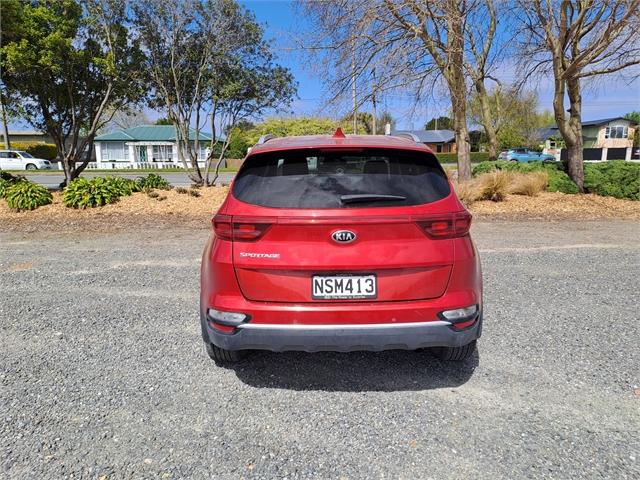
343	236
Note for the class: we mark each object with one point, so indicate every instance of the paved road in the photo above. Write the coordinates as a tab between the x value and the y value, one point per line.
102	373
51	180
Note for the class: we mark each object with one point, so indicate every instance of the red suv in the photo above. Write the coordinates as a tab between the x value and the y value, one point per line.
340	243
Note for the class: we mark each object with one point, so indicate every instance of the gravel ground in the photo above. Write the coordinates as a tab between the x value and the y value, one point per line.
103	375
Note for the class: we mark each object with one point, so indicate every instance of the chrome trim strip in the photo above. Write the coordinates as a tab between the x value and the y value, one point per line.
351	326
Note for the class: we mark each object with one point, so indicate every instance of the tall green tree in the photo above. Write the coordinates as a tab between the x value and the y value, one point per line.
70	62
208	58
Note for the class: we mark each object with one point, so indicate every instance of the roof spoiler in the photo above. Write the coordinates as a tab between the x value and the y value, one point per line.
408	135
265	138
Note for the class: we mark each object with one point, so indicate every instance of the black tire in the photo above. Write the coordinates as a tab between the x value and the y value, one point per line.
455	354
31	166
222	356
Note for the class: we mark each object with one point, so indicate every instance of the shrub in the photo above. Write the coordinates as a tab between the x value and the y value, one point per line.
6	180
194	193
83	193
453	157
25	195
530	184
152	194
47	151
559	181
181	190
615	178
126	186
152	180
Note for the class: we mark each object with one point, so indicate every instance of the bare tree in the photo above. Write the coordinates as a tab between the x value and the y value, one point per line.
480	30
410	45
576	40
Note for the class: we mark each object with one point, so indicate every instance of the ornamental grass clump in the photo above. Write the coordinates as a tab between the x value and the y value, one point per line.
530	184
493	186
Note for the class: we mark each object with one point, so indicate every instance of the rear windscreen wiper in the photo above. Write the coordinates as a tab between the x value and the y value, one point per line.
370	197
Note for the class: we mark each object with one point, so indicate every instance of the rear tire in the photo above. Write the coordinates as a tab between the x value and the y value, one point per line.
455	354
222	356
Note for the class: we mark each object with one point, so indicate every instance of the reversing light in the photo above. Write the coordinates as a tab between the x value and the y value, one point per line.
231	319
460	314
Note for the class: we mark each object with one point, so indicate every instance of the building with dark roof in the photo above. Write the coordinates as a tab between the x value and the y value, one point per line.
440	141
614	132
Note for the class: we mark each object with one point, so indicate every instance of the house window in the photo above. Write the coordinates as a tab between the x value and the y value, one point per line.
552	144
616	131
114	151
162	153
439	148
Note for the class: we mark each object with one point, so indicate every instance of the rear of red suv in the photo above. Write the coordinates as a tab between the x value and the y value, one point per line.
341	244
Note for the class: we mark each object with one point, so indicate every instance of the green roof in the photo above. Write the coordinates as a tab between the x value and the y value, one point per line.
153	133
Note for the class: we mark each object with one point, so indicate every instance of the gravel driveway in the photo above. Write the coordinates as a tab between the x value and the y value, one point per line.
102	372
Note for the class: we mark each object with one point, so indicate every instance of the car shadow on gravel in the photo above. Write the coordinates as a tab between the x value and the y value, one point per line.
388	371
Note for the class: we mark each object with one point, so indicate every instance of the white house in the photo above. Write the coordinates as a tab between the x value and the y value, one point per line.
145	146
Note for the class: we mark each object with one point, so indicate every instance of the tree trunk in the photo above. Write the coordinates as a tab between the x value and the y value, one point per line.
7	141
458	104
487	118
454	74
575	151
68	171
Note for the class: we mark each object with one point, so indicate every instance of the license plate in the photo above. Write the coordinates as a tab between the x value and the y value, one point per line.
336	287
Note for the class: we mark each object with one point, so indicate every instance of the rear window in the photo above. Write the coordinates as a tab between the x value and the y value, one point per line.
340	179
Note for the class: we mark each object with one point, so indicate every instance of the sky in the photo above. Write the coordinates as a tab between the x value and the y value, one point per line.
605	98
608	97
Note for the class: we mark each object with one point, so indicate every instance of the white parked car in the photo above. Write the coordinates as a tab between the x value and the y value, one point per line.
21	160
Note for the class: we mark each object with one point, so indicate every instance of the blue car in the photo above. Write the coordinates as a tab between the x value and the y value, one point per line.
525	155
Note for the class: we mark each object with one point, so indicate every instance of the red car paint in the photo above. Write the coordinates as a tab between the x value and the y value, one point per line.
260	260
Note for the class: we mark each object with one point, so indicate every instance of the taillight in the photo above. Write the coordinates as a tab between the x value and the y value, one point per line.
446	226
222	226
241	229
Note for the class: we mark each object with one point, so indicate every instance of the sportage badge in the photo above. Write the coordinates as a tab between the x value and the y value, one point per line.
343	236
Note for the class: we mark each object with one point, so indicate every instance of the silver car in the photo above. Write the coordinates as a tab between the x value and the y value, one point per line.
21	160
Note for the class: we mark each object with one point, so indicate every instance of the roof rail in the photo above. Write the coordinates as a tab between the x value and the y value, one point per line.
265	138
410	136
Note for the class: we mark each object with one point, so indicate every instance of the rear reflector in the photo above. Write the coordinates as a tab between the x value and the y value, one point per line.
446	226
240	229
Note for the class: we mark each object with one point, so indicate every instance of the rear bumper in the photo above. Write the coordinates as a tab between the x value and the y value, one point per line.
344	338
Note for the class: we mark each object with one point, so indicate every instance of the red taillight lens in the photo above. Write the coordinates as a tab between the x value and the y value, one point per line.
446	226
222	226
239	229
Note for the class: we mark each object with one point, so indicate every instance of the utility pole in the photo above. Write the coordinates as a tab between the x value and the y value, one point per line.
7	141
374	129
353	86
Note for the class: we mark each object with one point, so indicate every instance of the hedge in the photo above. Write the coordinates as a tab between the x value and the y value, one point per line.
615	178
453	157
559	181
47	151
